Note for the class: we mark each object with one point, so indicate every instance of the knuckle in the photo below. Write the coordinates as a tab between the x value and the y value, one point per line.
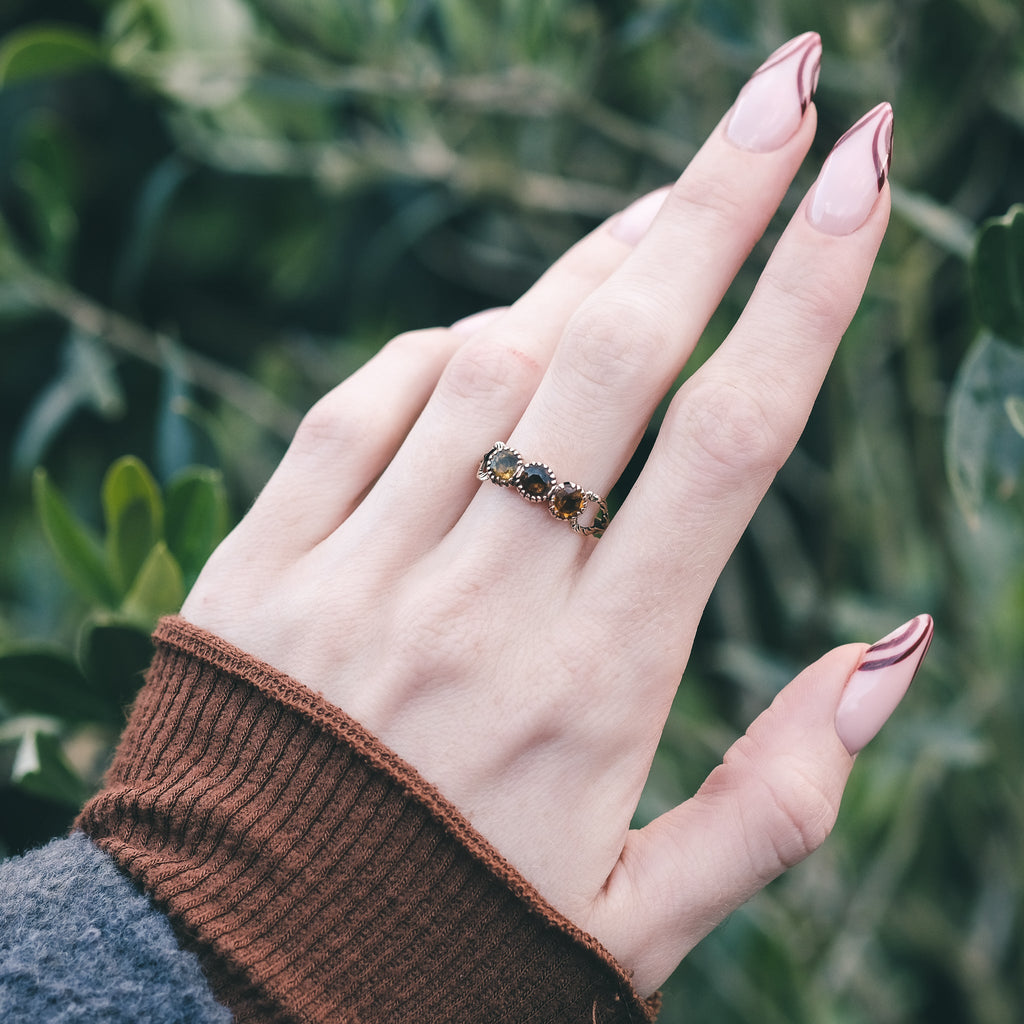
707	202
490	369
335	421
615	342
802	815
813	303
731	428
789	810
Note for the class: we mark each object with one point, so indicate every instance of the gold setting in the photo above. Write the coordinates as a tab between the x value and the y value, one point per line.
536	481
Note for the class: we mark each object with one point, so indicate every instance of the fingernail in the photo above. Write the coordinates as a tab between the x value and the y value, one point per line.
631	224
880	682
853	174
771	105
473	322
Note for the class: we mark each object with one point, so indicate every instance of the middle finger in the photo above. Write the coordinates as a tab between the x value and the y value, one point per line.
629	339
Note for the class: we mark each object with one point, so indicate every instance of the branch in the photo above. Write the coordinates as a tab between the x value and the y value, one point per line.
131	339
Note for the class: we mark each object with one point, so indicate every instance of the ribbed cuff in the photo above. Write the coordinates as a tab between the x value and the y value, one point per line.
318	876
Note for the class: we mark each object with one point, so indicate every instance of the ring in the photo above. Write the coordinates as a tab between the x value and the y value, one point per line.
535	481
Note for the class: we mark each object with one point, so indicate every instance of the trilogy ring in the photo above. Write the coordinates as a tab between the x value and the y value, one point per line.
536	482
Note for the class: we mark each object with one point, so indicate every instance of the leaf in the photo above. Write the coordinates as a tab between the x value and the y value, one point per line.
76	549
47	682
134	513
41	768
114	656
197	517
88	379
38	52
158	589
997	274
47	170
984	452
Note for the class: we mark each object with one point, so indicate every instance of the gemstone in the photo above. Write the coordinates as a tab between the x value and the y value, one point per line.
535	481
567	501
503	465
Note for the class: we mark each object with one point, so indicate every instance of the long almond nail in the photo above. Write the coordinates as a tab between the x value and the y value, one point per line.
880	682
771	105
853	175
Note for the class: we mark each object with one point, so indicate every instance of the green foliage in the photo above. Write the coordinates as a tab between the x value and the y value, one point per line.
212	210
997	275
154	539
985	439
46	52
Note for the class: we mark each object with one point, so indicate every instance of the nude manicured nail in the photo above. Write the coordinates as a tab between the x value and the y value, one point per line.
771	105
853	175
880	682
632	223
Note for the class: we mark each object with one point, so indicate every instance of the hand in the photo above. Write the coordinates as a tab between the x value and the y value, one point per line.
526	670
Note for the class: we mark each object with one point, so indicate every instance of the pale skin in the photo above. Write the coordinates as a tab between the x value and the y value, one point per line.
526	671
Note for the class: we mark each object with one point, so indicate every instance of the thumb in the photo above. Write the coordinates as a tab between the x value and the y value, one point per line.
772	801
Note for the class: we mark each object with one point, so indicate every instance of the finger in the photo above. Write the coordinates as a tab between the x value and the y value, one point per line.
346	439
733	424
487	384
628	342
772	801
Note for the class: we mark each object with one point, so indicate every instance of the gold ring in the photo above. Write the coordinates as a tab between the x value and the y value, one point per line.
536	481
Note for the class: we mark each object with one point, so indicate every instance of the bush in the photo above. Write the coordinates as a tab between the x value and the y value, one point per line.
212	212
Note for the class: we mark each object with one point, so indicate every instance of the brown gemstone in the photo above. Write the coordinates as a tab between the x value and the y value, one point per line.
535	480
567	501
503	465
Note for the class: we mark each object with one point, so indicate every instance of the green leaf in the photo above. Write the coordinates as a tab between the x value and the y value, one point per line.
41	768
114	655
134	513
997	274
197	517
38	52
46	167
984	452
47	682
158	589
77	551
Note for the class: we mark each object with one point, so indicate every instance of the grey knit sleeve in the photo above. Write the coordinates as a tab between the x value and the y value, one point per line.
79	943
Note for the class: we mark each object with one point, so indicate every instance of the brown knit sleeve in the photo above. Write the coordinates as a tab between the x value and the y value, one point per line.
318	876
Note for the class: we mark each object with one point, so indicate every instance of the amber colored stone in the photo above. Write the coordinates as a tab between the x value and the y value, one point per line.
567	501
503	465
535	480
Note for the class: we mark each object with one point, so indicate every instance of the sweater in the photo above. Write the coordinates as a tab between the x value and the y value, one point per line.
79	945
315	875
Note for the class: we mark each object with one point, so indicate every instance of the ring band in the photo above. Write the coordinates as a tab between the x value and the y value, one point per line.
536	481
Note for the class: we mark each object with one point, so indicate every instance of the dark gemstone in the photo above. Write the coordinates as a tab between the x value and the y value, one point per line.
503	465
567	501
535	480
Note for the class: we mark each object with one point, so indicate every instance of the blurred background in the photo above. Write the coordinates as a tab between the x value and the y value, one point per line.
213	210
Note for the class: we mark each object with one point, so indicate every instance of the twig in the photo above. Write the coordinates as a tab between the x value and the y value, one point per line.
339	166
130	338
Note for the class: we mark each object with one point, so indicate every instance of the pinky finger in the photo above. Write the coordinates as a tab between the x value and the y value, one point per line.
772	801
346	440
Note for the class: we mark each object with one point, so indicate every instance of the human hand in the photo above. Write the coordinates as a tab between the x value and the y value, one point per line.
526	670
